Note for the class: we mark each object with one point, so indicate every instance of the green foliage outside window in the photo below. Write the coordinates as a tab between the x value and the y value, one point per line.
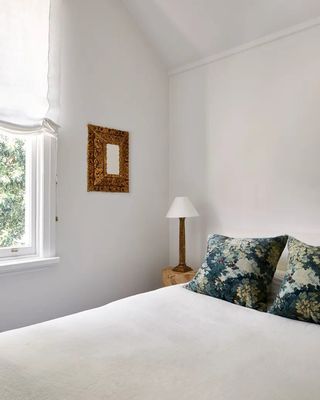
12	191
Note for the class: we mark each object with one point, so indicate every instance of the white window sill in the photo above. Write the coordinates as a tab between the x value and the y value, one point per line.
26	263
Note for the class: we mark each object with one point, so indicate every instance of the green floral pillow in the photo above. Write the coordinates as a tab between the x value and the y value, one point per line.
299	296
239	270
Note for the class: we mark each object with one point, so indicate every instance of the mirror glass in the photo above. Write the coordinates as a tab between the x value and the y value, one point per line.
113	162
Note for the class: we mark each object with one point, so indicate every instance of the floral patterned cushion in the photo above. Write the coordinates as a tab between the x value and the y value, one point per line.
239	270
299	296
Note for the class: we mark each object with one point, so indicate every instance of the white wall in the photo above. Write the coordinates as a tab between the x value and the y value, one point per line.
111	245
245	140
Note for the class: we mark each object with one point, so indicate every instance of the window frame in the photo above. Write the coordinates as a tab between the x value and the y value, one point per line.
43	205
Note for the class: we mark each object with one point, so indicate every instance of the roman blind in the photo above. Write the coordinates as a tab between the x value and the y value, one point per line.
25	70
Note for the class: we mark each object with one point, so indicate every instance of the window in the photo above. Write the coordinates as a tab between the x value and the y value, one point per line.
29	103
17	195
27	200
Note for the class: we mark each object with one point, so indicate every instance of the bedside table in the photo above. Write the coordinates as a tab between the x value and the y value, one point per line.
170	277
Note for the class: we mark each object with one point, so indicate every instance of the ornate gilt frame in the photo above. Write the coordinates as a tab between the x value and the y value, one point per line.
98	178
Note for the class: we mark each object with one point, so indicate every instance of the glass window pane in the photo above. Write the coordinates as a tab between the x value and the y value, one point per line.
15	191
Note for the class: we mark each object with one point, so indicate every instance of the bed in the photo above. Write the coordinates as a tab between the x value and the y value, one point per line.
166	344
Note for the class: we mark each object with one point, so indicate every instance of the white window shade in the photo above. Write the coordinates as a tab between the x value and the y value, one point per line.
24	66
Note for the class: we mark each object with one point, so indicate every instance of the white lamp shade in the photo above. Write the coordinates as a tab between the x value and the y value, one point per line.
182	207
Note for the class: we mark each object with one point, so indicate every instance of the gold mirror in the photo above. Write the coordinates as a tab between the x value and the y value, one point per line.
108	160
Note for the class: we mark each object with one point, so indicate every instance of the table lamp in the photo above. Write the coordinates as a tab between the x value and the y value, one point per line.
182	208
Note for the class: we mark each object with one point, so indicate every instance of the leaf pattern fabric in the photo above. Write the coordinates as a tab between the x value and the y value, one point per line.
299	295
239	270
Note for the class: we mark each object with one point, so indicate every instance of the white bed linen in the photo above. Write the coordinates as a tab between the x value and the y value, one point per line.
167	344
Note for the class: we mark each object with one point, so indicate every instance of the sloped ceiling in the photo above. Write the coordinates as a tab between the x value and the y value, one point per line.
184	31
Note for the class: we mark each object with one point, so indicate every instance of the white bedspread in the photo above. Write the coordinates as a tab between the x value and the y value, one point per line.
167	344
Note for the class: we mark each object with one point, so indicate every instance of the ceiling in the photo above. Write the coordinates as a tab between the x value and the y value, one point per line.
183	31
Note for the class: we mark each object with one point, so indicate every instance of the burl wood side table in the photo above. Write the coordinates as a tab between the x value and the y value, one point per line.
170	277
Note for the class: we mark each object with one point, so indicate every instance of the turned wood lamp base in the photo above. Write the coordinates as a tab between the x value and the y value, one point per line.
182	268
